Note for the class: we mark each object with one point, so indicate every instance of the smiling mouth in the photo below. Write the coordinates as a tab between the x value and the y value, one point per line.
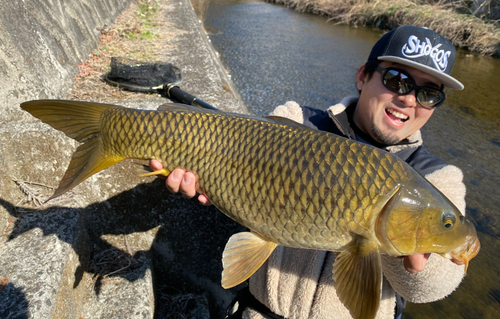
396	116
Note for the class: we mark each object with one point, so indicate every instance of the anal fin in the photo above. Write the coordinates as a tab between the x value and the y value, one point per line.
357	272
244	253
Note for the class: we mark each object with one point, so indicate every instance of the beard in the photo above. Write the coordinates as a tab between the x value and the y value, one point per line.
385	138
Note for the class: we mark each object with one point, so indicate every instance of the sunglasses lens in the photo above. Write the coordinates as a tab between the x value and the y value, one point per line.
398	82
430	98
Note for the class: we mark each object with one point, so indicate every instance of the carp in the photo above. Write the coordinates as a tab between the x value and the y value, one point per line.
289	184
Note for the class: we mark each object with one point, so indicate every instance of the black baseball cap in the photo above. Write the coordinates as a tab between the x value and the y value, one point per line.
419	48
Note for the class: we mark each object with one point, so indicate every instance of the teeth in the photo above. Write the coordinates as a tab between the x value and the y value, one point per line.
397	114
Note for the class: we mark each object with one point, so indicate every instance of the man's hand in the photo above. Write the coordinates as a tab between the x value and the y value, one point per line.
180	181
415	263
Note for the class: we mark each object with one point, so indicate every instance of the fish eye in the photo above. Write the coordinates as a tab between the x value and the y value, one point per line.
448	219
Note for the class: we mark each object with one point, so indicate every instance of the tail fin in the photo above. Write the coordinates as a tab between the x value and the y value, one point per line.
80	121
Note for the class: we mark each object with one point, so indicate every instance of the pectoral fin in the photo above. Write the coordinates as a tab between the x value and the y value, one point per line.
244	254
357	272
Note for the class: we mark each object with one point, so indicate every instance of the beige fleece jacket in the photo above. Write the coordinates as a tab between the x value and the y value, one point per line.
298	284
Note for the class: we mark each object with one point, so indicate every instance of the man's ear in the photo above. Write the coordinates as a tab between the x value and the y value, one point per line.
361	77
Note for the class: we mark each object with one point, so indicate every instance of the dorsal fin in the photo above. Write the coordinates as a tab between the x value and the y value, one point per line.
285	121
172	107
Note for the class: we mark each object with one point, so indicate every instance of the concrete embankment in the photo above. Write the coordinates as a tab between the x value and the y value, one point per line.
117	246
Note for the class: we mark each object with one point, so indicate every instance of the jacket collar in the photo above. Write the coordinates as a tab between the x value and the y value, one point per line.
341	117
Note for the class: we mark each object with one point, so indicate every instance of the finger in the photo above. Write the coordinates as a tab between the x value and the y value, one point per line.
174	180
415	263
155	165
203	199
188	185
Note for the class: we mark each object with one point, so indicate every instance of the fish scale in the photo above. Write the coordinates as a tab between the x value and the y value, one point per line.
290	185
256	152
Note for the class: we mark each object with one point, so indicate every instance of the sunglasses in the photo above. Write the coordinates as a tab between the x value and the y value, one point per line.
401	83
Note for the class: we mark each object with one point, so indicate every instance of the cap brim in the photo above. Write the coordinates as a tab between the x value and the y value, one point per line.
447	80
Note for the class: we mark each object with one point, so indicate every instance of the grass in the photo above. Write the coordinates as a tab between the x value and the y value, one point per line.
148	8
451	18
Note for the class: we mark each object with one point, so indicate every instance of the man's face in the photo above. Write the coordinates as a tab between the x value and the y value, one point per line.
386	116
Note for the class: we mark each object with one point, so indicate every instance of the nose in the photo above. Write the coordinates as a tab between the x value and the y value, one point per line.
408	100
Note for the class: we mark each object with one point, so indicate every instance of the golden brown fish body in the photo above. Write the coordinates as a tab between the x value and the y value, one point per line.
289	184
292	186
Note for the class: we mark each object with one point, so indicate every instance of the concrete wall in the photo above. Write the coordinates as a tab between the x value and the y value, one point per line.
42	41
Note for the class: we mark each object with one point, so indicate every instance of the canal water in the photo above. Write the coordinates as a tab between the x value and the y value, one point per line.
275	54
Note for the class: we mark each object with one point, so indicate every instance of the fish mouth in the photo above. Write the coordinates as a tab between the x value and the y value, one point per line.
466	252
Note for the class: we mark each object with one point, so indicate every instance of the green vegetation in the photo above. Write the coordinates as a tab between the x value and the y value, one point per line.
148	8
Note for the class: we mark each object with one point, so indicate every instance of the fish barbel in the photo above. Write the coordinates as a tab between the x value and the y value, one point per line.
289	184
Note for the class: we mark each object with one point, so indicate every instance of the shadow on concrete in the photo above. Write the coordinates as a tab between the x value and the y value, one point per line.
14	303
186	252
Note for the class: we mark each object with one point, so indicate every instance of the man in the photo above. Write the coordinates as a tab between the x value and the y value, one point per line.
400	86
